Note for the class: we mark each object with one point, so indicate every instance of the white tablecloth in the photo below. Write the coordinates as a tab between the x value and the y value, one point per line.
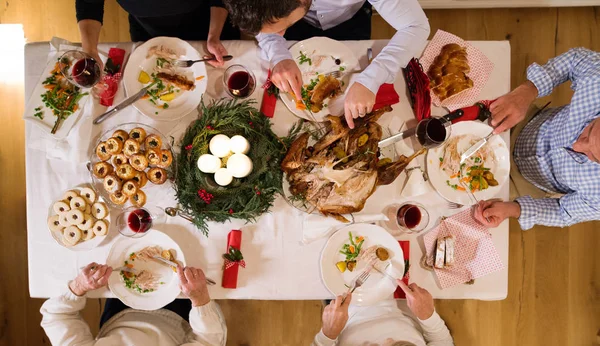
279	266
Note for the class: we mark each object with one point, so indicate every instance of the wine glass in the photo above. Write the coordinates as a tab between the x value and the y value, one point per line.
135	222
239	81
434	131
80	68
412	217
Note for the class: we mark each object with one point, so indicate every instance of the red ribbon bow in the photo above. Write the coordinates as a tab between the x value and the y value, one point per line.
229	264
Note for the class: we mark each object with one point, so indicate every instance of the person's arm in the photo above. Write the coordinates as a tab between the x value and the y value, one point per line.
89	15
335	317
435	331
273	48
557	212
218	16
60	316
285	73
408	18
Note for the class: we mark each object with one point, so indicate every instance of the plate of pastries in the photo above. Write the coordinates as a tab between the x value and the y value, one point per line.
129	163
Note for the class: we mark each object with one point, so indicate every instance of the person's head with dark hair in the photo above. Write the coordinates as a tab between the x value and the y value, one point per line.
268	16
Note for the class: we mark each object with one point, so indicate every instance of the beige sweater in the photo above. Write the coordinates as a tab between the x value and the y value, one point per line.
64	326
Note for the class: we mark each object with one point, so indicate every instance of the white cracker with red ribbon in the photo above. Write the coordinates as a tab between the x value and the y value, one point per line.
481	68
474	250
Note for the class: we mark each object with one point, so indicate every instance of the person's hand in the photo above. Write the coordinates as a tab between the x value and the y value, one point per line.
93	52
492	212
92	277
359	102
287	77
192	282
510	109
335	316
216	48
418	299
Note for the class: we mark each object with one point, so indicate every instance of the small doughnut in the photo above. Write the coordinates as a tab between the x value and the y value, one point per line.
129	188
139	134
61	207
102	169
102	151
139	162
112	183
153	156
71	235
166	158
100	228
153	142
139	199
122	135
157	175
54	225
140	178
99	210
114	146
89	195
68	195
125	171
119	159
78	203
63	220
131	147
75	217
88	222
87	234
118	197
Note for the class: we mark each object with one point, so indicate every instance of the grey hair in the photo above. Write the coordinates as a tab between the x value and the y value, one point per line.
403	343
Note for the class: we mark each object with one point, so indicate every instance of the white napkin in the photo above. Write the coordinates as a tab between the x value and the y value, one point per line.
415	184
316	226
74	147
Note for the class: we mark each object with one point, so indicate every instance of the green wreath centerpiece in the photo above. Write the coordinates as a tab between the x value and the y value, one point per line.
245	198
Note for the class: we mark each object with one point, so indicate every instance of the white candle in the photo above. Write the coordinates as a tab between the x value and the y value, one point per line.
239	145
219	145
223	177
208	163
239	165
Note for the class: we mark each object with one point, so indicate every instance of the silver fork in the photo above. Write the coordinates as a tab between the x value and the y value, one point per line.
471	195
334	74
452	205
359	281
188	63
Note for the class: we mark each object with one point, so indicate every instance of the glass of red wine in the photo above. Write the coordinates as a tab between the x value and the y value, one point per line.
412	216
80	68
433	132
239	81
135	222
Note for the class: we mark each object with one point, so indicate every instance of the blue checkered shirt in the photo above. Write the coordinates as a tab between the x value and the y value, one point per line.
543	151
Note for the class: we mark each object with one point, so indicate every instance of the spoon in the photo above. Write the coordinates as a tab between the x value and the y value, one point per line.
178	212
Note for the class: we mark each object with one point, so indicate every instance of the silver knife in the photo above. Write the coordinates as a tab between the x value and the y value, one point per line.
173	264
475	147
397	137
126	103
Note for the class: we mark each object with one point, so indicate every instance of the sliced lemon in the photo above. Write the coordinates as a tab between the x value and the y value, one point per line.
144	77
167	97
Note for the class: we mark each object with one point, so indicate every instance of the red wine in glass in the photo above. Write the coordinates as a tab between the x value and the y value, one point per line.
139	221
240	84
409	216
431	132
86	72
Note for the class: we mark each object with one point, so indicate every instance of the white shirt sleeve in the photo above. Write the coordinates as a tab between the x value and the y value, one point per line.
208	324
322	340
408	18
435	331
62	322
273	48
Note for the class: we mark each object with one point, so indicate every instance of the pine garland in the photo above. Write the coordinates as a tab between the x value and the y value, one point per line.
245	198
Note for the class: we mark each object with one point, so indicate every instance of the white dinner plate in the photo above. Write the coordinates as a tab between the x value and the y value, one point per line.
331	50
500	168
378	287
82	245
183	104
166	292
35	101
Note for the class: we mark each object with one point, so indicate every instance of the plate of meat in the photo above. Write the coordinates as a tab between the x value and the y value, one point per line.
173	92
143	282
316	57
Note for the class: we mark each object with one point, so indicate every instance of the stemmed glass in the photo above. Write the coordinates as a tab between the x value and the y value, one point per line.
412	217
239	81
434	131
80	68
135	222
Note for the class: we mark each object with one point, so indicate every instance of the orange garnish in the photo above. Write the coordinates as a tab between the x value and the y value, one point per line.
460	188
200	78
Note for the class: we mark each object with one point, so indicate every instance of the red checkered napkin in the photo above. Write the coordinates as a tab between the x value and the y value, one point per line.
481	68
475	253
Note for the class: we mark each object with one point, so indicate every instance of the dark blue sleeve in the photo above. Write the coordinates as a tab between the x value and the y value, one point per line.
90	9
217	3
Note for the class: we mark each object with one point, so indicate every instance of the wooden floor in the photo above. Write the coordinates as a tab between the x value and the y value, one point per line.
554	289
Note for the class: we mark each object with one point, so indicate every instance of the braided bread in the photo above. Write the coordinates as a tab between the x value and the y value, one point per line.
448	73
